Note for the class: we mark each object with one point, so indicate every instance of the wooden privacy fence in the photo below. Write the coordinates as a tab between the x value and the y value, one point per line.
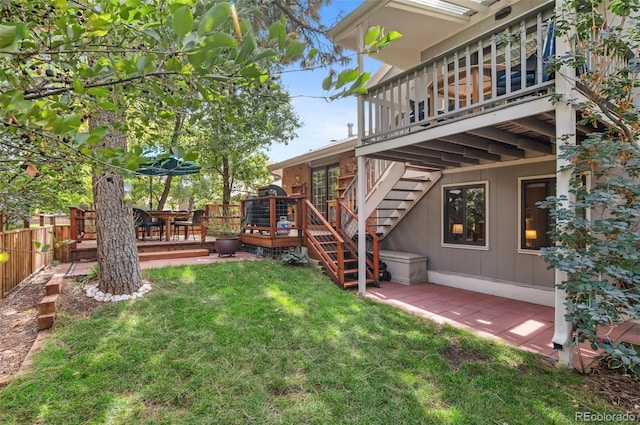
24	258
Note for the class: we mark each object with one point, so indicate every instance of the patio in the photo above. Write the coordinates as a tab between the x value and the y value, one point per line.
518	323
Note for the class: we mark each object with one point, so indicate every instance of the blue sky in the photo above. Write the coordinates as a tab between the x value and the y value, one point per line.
322	121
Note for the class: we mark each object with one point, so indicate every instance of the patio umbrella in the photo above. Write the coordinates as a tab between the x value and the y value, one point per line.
164	164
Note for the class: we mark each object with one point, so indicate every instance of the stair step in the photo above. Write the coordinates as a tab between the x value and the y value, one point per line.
45	321
48	304
414	180
327	242
391	209
400	189
352	283
397	199
53	288
178	253
417	168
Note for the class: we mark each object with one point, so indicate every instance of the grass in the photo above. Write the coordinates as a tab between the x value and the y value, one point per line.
257	342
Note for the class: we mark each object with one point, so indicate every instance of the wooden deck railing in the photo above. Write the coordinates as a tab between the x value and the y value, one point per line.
325	242
350	237
263	214
479	75
83	224
374	169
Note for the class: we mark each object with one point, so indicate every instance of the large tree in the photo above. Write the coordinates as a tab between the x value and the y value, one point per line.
86	62
236	131
118	66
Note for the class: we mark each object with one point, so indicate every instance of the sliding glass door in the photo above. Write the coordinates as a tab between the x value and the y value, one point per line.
324	186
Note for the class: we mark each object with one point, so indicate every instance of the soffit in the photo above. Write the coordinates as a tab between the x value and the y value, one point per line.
421	25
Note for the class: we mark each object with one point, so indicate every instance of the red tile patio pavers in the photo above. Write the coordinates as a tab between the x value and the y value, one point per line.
518	323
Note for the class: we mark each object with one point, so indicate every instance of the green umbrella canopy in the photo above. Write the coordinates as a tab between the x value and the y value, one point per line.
160	163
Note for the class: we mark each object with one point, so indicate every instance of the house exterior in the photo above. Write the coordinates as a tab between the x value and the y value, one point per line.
457	141
321	174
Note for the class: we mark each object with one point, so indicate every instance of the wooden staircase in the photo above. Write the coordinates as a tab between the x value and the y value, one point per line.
394	188
338	256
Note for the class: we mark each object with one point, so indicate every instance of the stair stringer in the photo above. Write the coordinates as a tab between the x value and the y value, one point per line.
392	221
383	186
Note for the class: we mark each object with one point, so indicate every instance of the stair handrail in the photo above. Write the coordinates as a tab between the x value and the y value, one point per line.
374	262
375	168
337	270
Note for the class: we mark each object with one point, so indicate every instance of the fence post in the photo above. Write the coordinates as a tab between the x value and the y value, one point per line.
73	231
272	216
42	223
304	219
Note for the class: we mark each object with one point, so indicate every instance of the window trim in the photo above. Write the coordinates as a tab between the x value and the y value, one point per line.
444	187
519	248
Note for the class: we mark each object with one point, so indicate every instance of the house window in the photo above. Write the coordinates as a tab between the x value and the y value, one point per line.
324	187
465	213
535	223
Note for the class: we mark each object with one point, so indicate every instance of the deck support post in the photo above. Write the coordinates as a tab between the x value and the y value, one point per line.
565	133
361	183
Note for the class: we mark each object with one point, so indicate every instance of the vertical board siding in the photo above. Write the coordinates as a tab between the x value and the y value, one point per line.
24	258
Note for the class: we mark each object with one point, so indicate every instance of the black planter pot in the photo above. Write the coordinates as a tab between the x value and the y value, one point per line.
227	247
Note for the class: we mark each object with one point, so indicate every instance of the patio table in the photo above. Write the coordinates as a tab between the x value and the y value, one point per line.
168	216
463	96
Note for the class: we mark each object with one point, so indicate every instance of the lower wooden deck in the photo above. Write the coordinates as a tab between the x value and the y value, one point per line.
87	251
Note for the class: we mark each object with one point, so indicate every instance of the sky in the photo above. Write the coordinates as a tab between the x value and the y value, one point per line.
322	121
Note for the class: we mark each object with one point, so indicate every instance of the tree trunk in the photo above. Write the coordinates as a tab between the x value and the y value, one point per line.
165	192
115	236
174	141
226	181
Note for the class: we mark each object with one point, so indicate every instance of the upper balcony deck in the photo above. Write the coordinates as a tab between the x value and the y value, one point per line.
489	75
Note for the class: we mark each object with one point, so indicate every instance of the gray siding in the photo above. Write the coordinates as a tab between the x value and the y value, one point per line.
420	231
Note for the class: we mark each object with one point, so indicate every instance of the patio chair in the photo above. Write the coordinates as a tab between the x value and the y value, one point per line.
531	64
145	221
195	219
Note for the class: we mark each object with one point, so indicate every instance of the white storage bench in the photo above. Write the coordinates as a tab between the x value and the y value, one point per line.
405	267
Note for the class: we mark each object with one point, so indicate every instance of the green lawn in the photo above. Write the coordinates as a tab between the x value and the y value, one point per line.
256	342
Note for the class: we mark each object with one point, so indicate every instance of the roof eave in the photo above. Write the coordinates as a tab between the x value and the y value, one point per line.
323	152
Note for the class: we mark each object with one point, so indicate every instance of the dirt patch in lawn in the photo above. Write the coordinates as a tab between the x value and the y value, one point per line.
19	319
457	355
19	316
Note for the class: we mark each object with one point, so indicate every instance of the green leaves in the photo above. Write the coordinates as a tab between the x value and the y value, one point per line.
8	37
376	39
100	24
182	23
214	17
